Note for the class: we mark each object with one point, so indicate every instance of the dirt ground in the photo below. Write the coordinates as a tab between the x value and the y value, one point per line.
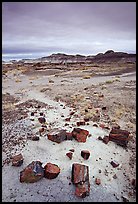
56	93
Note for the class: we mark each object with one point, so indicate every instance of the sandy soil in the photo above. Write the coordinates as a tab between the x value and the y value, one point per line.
56	95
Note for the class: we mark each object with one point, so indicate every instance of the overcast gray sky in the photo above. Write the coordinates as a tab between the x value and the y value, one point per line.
35	29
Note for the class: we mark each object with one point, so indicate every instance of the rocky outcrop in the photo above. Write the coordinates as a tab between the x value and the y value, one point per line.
32	173
80	178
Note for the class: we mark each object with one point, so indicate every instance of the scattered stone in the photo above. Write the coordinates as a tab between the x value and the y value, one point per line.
102	125
100	171
42	120
72	150
17	160
51	171
80	123
86	119
98	181
41	130
69	154
100	138
32	173
121	137
32	113
57	135
67	119
41	114
35	138
85	154
80	178
106	139
114	164
80	134
104	108
116	126
115	176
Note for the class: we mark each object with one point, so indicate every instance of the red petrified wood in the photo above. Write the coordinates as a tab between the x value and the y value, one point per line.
51	171
80	134
69	154
119	136
80	178
85	154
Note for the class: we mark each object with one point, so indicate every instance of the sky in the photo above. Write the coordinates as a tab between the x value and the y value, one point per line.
38	29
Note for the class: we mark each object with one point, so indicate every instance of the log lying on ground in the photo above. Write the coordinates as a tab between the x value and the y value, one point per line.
57	135
80	178
121	137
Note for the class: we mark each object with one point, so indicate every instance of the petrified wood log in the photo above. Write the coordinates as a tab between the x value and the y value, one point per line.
119	136
80	178
57	135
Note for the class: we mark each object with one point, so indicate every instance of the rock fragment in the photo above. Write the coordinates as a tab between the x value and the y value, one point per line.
32	173
69	154
80	134
106	139
51	171
85	154
119	136
98	181
57	135
80	178
114	164
17	160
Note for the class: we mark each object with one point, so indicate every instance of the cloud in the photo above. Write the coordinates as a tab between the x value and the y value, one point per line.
71	27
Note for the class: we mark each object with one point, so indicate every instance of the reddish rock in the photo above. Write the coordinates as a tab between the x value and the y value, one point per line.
80	134
32	113
41	130
82	190
86	119
51	170
80	178
72	113
32	173
119	136
67	119
41	114
104	108
98	181
57	135
80	123
106	139
85	154
133	182
17	160
69	136
102	125
69	154
114	164
42	120
35	138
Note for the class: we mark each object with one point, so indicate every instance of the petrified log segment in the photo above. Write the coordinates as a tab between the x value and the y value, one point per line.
80	178
85	154
17	160
57	135
51	170
80	134
119	136
32	173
